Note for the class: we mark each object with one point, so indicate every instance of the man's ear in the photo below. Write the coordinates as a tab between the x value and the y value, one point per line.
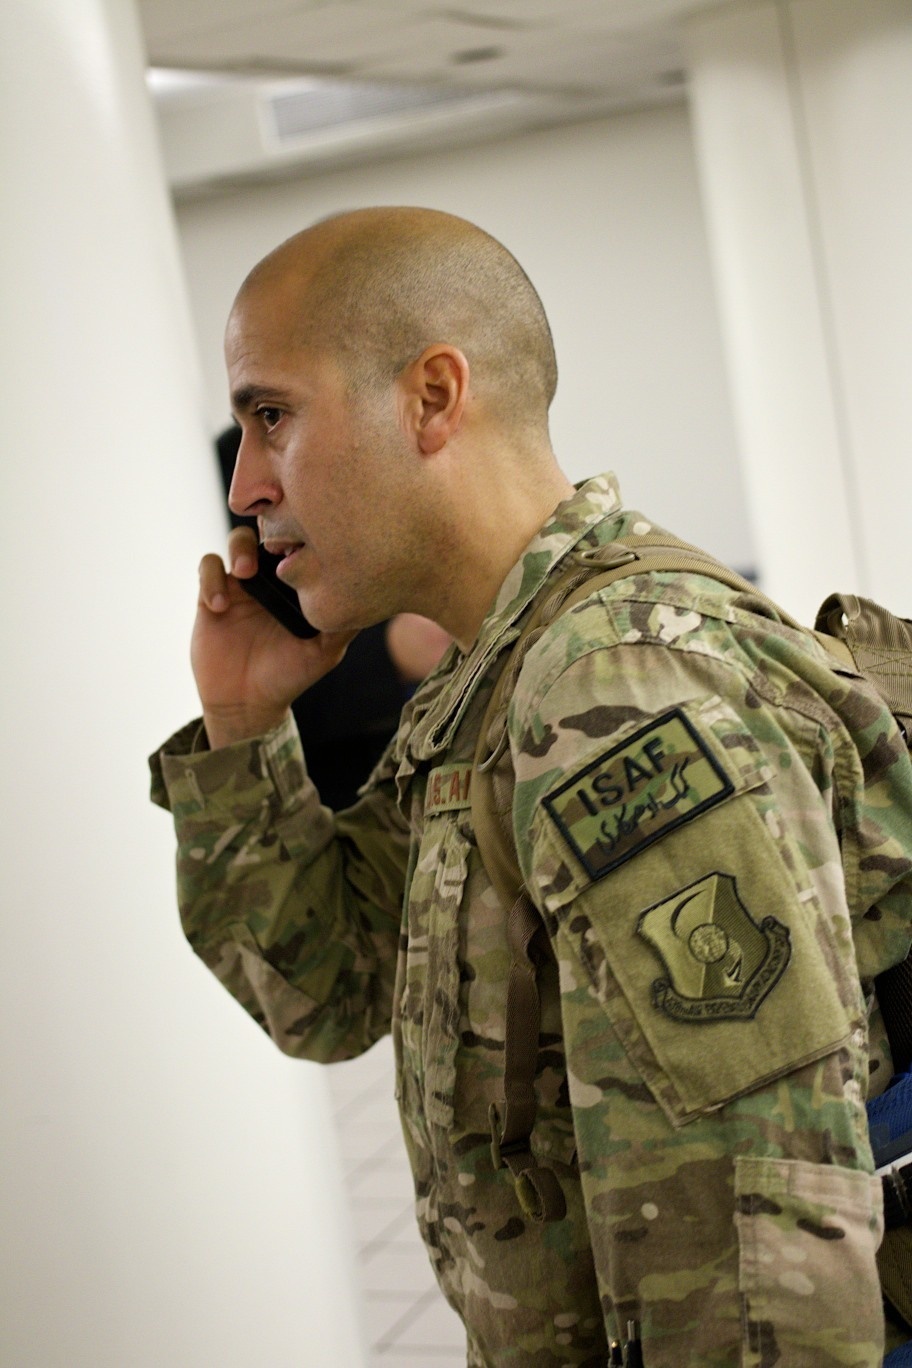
434	391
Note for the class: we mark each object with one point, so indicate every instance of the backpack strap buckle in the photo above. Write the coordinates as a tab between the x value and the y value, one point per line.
537	1188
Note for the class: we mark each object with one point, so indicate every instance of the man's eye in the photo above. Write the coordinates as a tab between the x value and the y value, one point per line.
270	416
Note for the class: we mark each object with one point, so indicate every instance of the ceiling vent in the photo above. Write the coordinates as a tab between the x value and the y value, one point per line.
332	104
224	131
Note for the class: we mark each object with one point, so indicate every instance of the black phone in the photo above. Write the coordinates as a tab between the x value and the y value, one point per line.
276	596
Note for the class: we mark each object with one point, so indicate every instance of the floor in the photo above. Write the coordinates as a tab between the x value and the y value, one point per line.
409	1324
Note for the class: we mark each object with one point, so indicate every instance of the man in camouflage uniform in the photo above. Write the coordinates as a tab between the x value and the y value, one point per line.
714	825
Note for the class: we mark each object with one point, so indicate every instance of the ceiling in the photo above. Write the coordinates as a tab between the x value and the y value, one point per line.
330	81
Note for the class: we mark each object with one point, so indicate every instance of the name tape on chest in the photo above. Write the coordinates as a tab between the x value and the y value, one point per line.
654	781
448	790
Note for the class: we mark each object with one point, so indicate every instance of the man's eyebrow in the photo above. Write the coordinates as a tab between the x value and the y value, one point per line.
247	395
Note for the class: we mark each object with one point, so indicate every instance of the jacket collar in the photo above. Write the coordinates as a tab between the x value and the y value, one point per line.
440	703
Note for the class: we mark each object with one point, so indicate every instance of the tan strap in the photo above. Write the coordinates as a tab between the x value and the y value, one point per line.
659	552
539	1192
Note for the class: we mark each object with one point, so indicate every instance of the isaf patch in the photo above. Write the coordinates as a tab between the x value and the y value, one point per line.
720	963
657	779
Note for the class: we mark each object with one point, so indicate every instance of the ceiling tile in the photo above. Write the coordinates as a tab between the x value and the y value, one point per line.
495	13
168	21
442	50
336	36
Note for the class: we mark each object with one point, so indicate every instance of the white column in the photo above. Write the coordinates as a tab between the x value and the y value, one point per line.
170	1193
802	115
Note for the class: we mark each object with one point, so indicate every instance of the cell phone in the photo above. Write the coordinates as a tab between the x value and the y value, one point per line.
277	597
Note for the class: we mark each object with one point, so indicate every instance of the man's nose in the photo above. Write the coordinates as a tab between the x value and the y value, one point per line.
253	488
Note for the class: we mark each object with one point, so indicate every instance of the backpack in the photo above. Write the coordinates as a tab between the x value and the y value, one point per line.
864	639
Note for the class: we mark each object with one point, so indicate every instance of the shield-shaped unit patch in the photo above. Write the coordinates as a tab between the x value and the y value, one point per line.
719	962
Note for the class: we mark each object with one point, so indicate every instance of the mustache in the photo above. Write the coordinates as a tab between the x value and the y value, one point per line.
279	531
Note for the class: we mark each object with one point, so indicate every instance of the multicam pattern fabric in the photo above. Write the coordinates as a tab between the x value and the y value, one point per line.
716	924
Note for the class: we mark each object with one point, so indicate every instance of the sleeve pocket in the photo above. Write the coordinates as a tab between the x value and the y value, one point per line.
800	1304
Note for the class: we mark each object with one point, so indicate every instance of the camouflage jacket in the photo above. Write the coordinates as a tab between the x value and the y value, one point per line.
717	830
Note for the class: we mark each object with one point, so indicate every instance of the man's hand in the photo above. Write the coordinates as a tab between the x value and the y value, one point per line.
248	668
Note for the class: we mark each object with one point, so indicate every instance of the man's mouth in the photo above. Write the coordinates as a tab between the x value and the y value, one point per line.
285	549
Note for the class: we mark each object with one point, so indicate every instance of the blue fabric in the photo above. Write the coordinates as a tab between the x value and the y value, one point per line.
899	1358
890	1115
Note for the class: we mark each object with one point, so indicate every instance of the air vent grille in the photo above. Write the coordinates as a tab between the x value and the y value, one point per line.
298	113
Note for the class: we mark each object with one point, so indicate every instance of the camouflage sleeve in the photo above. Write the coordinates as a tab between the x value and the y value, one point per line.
296	911
676	830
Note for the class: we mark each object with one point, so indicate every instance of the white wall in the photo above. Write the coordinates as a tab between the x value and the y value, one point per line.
803	120
162	1168
606	219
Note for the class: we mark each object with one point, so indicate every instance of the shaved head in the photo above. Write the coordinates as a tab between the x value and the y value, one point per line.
391	370
377	286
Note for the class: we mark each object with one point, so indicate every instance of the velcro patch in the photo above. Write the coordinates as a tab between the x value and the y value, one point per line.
719	962
655	780
448	789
